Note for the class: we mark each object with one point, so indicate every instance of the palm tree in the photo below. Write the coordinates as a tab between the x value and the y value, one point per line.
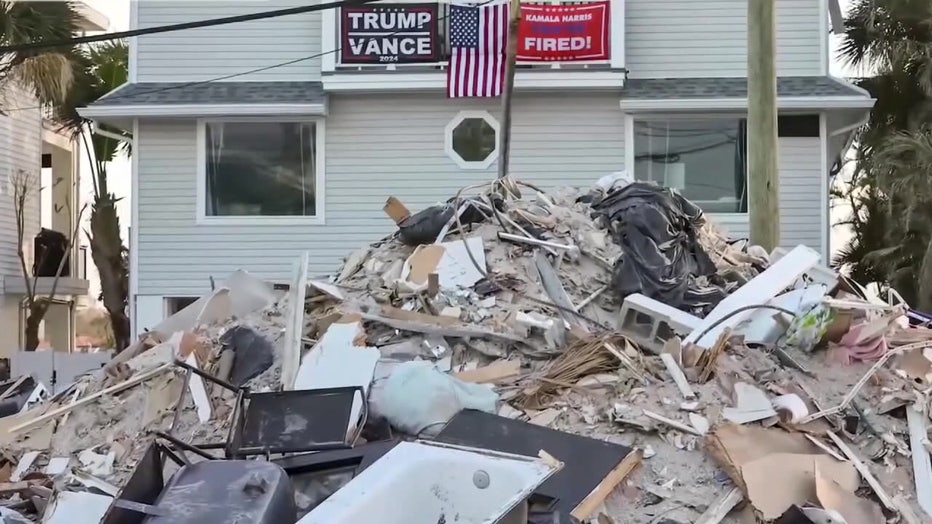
47	74
888	195
100	69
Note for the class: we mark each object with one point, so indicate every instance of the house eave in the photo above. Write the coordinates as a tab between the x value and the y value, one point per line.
702	104
437	81
103	112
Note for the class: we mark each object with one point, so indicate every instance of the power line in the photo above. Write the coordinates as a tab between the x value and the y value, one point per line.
235	75
31	46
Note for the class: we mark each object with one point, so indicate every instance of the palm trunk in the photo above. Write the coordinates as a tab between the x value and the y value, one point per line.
107	253
33	320
925	280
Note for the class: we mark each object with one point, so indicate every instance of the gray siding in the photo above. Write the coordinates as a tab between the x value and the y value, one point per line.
20	149
690	38
800	196
556	141
211	52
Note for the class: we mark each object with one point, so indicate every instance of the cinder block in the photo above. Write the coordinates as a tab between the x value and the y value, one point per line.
650	323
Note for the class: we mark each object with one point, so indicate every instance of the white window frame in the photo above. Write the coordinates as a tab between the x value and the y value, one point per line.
725	218
448	139
259	220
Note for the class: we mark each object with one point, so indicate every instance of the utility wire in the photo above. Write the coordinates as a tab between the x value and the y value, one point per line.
179	27
235	75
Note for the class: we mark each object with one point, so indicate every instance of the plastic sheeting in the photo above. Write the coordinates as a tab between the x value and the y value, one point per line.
661	258
418	398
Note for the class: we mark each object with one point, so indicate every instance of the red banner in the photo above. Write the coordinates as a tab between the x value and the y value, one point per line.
564	33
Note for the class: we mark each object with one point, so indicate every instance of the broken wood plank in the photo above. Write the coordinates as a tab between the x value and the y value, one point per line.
442	326
12	389
138	379
608	484
495	372
721	507
922	464
865	472
536	242
672	423
550	281
678	377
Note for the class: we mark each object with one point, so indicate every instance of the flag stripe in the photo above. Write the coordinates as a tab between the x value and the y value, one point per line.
477	61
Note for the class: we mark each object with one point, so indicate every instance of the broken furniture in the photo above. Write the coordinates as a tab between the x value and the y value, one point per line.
294	421
435	482
207	491
587	461
289	421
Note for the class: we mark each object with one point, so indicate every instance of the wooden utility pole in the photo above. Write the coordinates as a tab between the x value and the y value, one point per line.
511	53
763	166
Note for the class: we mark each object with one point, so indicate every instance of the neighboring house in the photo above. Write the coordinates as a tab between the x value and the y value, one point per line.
30	143
235	170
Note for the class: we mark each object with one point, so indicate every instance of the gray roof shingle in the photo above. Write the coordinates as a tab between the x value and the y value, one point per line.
692	88
174	93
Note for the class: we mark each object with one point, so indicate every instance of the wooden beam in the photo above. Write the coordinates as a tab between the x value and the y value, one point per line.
762	144
608	484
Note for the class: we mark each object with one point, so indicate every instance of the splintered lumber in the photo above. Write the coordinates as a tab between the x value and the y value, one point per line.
116	388
721	507
601	492
678	377
865	472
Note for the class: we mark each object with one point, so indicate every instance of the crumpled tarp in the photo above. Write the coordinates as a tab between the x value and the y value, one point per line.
657	230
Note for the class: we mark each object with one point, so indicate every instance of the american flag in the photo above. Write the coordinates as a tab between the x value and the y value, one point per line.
478	35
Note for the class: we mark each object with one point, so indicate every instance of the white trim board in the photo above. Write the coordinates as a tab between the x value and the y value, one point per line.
318	219
197	110
824	194
393	81
134	234
705	104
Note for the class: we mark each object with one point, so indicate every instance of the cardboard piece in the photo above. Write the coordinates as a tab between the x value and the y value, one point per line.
396	210
854	509
732	446
495	372
797	480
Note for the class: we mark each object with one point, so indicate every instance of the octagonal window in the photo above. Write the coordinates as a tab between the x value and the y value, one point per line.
472	139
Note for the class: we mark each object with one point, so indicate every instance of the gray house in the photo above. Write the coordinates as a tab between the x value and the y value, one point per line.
260	140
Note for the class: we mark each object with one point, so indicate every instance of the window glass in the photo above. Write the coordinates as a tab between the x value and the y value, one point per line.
474	139
705	160
261	168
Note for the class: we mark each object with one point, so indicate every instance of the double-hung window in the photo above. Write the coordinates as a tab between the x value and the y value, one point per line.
261	171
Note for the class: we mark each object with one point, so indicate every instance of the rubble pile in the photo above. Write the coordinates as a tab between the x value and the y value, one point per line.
617	355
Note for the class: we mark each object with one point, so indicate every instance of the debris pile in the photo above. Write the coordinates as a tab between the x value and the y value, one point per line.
607	356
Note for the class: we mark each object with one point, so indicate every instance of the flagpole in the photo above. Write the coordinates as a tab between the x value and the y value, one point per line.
511	52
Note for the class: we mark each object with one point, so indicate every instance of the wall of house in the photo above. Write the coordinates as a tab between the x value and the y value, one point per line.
687	38
556	141
20	149
211	52
800	196
663	39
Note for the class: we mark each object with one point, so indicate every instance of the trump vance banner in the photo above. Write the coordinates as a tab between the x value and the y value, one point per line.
564	33
389	34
